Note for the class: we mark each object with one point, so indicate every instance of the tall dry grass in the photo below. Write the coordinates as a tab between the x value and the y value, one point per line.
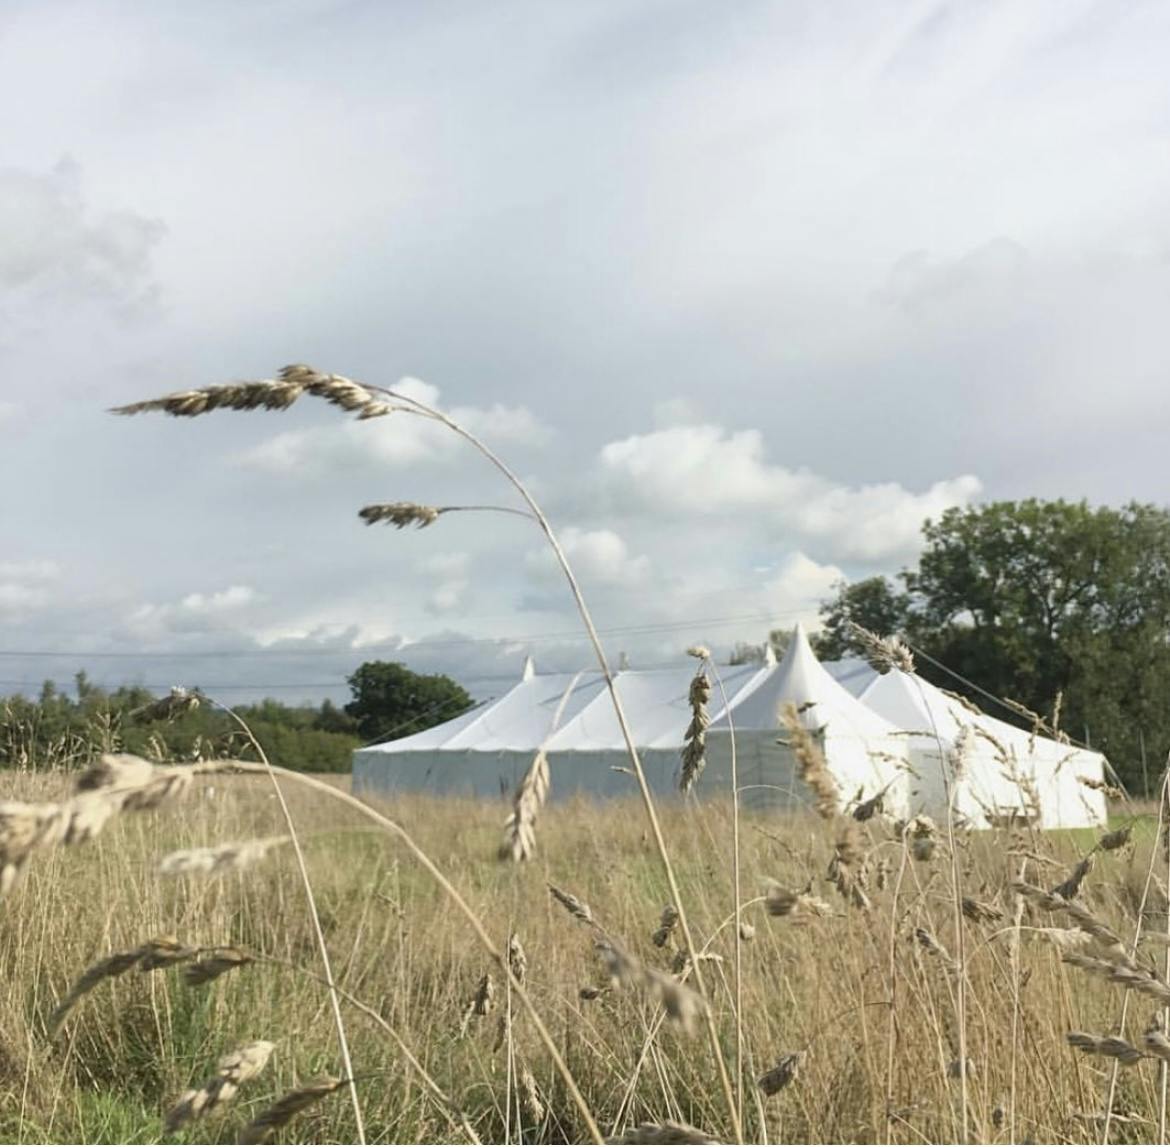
816	987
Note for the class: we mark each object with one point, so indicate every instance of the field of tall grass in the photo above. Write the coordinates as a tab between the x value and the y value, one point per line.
852	999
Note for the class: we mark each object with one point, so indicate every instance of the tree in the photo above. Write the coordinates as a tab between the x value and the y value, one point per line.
1032	599
390	700
874	604
745	653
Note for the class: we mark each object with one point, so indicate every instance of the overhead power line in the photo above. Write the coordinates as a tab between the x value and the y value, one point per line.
423	643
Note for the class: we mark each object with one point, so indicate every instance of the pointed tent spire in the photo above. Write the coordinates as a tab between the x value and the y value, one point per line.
529	670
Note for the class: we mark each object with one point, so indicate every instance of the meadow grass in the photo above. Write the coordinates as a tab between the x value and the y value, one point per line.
816	987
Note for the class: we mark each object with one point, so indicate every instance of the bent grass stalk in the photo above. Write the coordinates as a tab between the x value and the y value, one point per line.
360	397
314	916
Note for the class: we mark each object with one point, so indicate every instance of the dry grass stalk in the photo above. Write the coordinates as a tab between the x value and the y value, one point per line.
868	809
520	828
1072	886
221	858
1116	839
161	952
666	925
979	912
290	1104
481	1003
401	514
663	1133
106	968
800	906
957	1069
694	752
575	907
931	945
810	763
1084	919
176	703
1155	1042
213	965
847	868
1128	975
234	1069
1112	1047
531	1105
517	959
1111	791
777	1078
268	394
682	1006
883	653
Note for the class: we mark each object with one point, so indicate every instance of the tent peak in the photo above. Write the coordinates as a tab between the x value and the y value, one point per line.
529	670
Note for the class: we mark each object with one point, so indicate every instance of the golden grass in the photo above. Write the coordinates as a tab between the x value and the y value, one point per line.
816	986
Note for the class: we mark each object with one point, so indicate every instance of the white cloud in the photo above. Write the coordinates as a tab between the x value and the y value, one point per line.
398	440
220	610
598	557
703	471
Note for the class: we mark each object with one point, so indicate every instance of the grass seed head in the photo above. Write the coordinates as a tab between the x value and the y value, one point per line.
213	965
290	1104
233	1070
400	514
575	907
779	1077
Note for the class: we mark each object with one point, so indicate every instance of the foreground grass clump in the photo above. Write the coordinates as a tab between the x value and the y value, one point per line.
847	1012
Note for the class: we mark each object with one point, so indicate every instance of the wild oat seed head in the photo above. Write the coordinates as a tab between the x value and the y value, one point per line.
883	652
666	926
213	965
699	651
233	1070
220	858
1116	839
517	959
400	514
779	1077
810	762
519	841
290	1104
575	907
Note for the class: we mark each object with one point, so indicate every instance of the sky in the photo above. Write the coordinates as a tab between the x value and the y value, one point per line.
743	292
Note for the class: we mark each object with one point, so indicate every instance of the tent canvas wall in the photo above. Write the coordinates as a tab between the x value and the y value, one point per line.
1005	773
858	745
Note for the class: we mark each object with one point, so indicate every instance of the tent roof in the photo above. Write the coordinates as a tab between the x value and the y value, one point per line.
912	704
527	715
802	680
656	707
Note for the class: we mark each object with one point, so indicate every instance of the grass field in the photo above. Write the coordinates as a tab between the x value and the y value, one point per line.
867	1002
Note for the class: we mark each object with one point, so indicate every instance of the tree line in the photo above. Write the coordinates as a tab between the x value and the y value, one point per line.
57	730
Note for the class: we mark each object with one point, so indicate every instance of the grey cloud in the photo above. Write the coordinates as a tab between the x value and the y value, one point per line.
52	244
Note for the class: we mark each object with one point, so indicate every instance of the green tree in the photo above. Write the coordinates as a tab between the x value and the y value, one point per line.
390	700
874	603
745	653
1034	598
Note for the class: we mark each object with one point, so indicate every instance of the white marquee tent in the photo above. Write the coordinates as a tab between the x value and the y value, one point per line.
863	721
1005	772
